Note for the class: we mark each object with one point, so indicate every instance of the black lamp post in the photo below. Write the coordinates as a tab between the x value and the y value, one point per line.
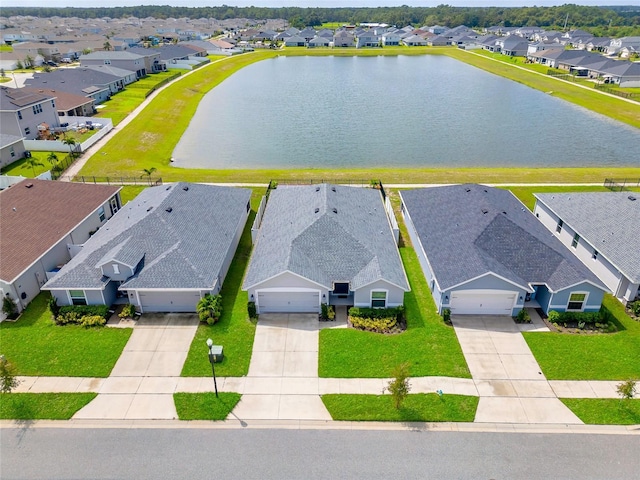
212	360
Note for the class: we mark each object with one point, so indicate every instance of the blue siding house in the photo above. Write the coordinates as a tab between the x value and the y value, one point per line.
483	252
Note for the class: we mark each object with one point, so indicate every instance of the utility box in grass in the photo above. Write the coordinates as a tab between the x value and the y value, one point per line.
217	352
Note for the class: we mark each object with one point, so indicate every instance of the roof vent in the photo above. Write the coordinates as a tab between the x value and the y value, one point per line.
169	210
632	198
316	210
486	191
185	188
317	189
168	188
334	210
149	209
485	211
504	212
333	189
467	190
29	185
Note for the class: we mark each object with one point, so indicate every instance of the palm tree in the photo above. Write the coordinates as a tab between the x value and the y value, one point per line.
71	143
32	163
106	45
209	308
148	172
52	158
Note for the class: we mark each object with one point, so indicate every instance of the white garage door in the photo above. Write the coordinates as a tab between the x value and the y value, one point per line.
490	303
298	302
169	301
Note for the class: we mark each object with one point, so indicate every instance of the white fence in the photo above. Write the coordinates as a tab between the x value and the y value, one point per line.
7	180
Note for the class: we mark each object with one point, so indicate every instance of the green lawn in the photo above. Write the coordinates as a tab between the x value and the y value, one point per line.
428	345
129	192
234	331
42	406
205	406
419	407
525	194
605	411
38	347
150	139
20	168
612	356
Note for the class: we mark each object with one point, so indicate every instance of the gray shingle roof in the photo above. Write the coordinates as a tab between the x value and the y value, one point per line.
183	248
470	230
609	221
347	239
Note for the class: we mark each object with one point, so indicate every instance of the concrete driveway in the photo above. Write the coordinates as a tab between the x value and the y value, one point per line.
283	382
509	380
143	380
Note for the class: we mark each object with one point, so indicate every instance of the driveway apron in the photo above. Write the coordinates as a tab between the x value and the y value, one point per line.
283	382
144	378
509	380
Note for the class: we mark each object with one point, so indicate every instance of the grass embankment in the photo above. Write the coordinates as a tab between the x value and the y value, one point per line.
122	104
588	97
205	406
234	331
150	140
42	406
610	356
605	411
428	345
419	407
38	347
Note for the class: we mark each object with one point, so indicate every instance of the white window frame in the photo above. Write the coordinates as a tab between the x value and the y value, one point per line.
116	268
386	298
101	214
71	298
595	255
576	241
584	302
19	115
559	226
12	152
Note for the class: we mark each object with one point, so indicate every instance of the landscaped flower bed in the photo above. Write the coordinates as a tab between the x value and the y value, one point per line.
582	322
378	320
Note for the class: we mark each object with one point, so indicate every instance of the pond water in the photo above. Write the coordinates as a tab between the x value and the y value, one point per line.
404	111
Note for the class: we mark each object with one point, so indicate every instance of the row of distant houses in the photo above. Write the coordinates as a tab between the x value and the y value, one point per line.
317	244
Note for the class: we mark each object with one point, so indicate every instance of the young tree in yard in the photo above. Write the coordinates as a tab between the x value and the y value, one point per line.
209	308
52	158
399	387
32	163
627	389
148	172
71	143
8	380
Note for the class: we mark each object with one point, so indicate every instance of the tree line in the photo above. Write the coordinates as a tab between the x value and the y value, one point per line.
602	21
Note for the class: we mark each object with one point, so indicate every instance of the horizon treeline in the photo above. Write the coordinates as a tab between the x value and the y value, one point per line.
601	21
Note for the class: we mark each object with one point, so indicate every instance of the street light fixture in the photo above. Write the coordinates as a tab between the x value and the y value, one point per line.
212	360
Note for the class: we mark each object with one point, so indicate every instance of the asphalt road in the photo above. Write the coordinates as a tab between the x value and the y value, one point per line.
218	454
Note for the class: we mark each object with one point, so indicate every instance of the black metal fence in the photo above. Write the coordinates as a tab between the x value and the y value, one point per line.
377	184
604	88
620	184
142	181
61	165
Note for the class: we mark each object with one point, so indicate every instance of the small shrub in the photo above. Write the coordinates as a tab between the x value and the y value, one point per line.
611	328
53	307
9	307
128	311
523	316
8	380
68	317
554	317
627	389
327	312
251	310
93	321
446	316
209	308
86	310
379	325
635	308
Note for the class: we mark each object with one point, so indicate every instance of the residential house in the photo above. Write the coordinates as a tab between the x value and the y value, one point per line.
483	252
367	39
414	41
343	38
162	252
40	221
602	230
11	149
127	76
392	39
142	64
326	33
318	41
10	61
324	244
617	44
513	46
307	33
23	112
175	57
46	50
295	41
68	104
91	83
